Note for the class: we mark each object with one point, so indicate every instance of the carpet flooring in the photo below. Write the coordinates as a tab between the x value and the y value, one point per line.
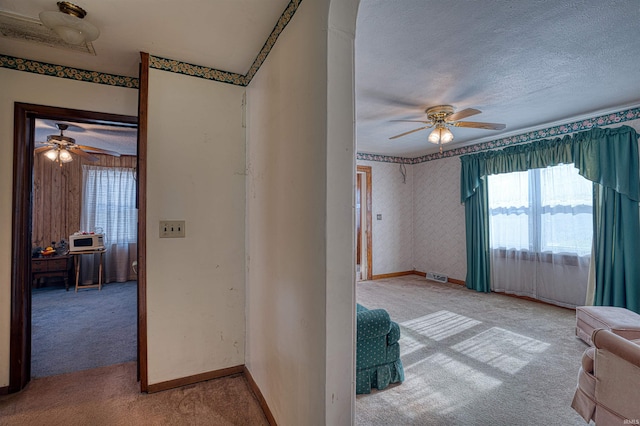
78	331
473	358
111	396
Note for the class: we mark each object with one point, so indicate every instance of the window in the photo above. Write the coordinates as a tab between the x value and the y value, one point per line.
109	203
541	211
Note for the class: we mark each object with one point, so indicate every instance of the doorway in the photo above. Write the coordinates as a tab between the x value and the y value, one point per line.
364	261
21	272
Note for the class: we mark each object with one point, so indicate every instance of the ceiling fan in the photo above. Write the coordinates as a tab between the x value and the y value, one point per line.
443	116
59	148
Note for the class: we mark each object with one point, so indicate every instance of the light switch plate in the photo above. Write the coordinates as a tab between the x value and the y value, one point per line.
172	229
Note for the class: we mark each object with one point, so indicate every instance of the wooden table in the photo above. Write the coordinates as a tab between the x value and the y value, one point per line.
76	260
51	266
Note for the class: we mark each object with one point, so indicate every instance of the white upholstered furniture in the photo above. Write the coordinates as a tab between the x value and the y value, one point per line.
620	321
609	380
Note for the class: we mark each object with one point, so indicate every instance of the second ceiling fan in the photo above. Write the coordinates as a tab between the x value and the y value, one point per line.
59	148
443	116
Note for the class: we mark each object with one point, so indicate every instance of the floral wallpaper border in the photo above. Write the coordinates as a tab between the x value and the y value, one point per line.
225	76
158	63
556	131
207	73
284	19
60	71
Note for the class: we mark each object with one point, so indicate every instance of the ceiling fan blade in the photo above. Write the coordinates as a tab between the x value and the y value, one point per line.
462	114
99	150
412	121
41	149
409	132
478	125
83	154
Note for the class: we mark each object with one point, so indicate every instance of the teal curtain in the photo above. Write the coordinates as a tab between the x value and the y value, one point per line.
608	157
477	209
476	204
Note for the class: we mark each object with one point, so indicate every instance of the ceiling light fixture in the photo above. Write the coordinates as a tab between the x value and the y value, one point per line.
69	23
443	116
59	155
52	154
441	134
65	156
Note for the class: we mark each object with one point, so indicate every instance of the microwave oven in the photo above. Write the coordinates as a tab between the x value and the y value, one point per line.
86	242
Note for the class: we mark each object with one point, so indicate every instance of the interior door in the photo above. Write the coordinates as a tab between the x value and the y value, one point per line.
24	129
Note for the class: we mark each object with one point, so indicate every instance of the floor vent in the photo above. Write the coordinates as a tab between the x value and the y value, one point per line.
435	276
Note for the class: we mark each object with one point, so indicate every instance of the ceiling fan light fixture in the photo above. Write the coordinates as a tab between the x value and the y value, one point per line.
440	117
52	154
65	156
446	135
441	134
434	136
69	23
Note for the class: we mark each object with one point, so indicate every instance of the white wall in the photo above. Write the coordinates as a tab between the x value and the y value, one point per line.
392	237
422	224
439	227
19	86
286	202
340	250
291	220
196	173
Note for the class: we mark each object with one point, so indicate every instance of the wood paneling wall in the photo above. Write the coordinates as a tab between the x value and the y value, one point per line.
57	193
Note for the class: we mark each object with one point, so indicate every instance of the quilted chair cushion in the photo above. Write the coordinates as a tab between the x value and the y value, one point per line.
378	352
394	334
375	323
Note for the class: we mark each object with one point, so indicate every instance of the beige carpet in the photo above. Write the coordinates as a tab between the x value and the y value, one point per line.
111	396
473	358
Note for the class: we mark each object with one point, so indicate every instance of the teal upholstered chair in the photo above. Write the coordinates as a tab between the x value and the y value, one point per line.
378	352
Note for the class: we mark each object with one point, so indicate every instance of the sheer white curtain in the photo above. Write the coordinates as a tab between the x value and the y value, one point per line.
541	233
109	206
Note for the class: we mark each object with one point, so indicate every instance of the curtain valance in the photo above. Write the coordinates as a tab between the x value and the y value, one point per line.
605	156
608	157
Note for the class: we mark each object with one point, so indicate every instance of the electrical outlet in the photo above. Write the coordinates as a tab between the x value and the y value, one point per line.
172	229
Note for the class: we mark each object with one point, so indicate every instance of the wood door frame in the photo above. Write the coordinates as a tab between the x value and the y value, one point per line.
366	170
358	218
23	145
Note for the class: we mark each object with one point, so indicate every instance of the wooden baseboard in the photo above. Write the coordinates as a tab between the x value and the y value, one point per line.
530	299
184	381
463	283
419	273
4	390
263	402
393	275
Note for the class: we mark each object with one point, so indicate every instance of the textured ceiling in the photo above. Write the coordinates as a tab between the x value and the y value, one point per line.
526	64
119	139
221	34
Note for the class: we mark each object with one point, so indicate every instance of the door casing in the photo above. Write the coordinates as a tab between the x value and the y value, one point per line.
23	145
367	225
